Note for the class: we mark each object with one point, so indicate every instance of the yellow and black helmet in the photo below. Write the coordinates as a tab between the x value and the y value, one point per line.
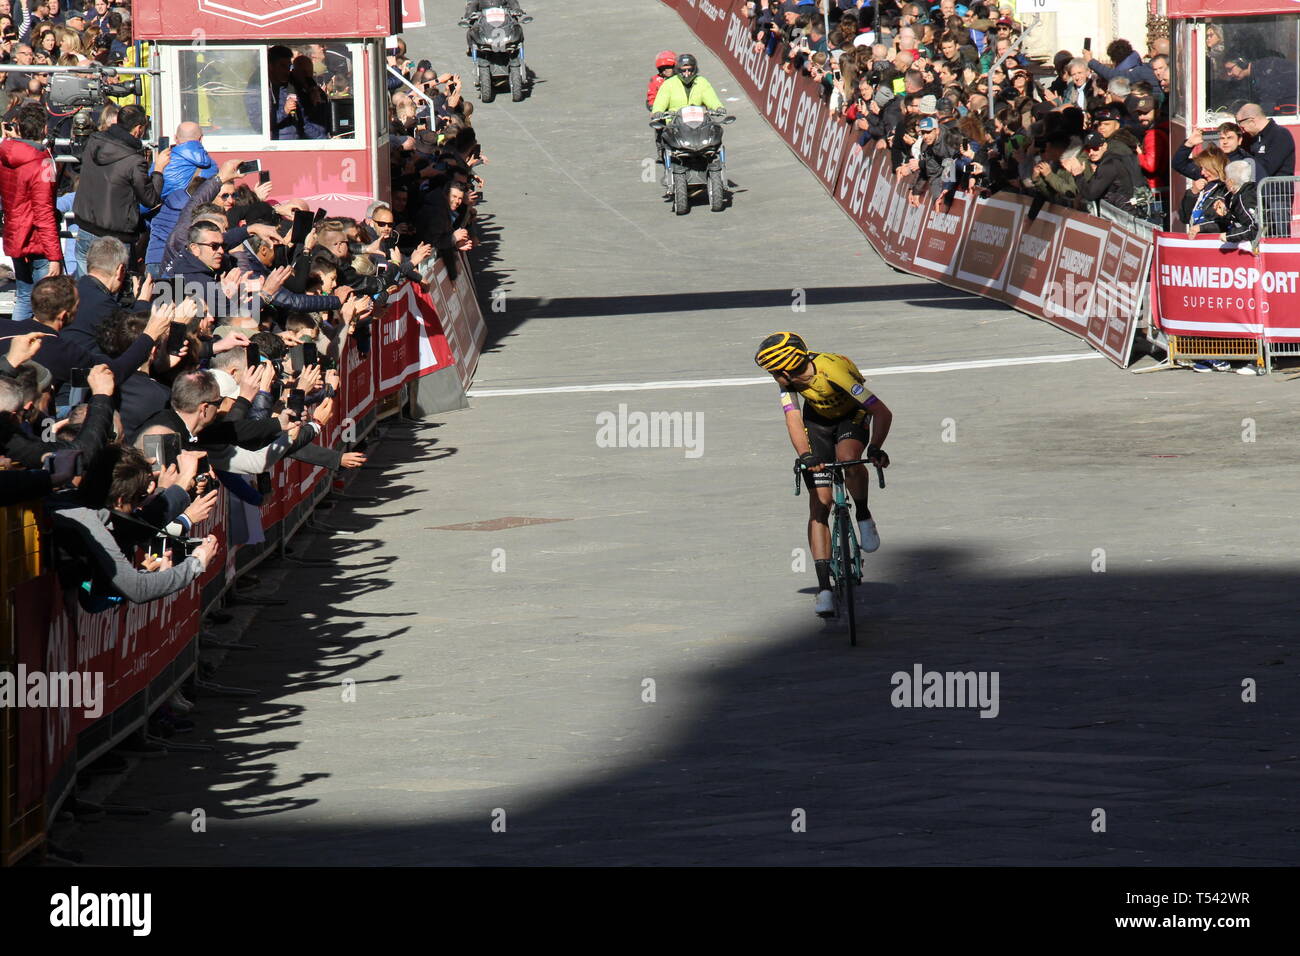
781	352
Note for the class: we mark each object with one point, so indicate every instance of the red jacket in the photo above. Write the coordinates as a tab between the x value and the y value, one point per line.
27	176
1154	157
653	90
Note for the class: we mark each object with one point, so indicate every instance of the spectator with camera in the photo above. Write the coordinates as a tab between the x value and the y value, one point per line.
110	501
54	304
103	289
29	385
1102	175
116	182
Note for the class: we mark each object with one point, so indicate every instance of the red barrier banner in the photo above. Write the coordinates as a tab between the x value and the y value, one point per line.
941	237
399	357
1280	280
452	321
1125	264
1031	261
1202	287
119	650
688	10
1073	284
990	235
45	738
865	190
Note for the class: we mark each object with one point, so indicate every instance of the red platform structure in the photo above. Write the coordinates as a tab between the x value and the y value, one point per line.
213	57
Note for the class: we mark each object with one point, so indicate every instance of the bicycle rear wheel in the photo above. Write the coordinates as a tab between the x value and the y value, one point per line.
844	575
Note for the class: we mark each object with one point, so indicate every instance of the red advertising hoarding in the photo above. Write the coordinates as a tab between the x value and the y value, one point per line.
263	19
940	237
986	254
1203	287
1073	285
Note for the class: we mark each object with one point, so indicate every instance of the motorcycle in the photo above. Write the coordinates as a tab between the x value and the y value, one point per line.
693	155
496	43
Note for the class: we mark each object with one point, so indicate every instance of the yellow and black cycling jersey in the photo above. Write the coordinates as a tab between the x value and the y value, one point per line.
836	389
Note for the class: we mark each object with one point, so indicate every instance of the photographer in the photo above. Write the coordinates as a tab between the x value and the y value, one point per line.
54	304
24	436
116	182
31	230
90	561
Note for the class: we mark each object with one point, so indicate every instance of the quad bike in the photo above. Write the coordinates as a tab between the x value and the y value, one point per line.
496	44
693	155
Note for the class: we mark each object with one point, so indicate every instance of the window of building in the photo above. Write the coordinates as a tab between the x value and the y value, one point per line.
285	93
1252	60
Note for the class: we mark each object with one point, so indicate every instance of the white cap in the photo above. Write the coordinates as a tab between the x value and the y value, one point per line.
865	39
226	382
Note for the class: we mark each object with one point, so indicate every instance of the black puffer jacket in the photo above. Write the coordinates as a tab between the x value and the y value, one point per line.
1113	180
115	181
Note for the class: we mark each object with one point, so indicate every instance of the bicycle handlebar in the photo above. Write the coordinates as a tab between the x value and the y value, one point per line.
836	465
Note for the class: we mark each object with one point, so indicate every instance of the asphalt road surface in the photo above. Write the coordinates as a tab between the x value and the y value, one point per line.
1108	544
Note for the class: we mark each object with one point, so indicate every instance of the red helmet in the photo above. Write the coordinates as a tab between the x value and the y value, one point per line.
665	58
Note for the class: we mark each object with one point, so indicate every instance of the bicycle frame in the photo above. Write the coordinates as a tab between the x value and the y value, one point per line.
840	513
840	565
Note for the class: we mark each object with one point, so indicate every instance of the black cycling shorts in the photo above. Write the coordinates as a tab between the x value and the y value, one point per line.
824	434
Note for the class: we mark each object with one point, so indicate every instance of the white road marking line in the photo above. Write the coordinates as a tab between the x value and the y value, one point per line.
767	379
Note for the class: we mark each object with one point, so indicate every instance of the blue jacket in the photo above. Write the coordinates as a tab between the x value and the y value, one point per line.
187	159
1133	69
164	221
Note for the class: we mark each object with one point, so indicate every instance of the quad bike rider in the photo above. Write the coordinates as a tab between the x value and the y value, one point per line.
666	65
684	88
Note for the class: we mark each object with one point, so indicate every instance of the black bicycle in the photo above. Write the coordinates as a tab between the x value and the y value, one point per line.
846	551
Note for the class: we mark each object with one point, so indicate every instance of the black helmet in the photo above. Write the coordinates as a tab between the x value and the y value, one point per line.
688	68
781	352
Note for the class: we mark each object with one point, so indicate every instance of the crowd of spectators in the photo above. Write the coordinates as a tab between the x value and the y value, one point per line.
184	327
948	91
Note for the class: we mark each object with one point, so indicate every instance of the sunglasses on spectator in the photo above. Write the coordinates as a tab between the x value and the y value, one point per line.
209	245
384	223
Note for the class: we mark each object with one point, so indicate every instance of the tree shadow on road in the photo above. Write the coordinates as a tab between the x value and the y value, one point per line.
1119	691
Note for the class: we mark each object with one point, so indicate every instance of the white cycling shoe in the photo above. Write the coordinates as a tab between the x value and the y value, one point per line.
868	535
825	605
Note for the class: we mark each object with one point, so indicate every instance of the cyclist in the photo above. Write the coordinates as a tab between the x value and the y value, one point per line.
840	418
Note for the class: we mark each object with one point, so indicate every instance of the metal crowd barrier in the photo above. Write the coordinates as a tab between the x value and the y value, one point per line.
1275	207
